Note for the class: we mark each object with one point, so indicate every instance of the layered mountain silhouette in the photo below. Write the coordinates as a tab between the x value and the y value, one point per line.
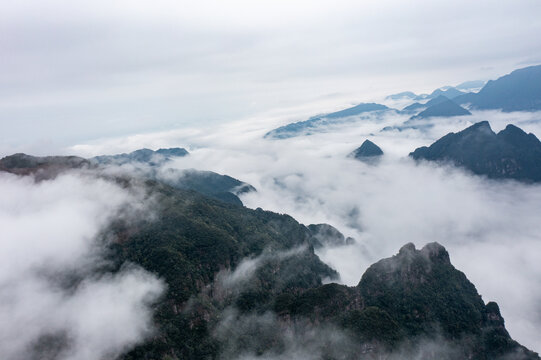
315	122
517	91
442	108
367	152
147	156
449	92
510	154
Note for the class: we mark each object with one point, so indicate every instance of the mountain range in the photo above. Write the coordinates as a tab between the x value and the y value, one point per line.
197	244
147	156
312	124
509	154
518	91
146	163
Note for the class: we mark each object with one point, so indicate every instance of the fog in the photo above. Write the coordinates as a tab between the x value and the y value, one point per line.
491	228
77	71
53	300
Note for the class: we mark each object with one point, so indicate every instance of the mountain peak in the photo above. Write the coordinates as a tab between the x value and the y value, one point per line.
445	108
368	150
510	154
436	252
517	91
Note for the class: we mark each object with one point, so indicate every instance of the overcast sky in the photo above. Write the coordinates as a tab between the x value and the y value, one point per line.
72	71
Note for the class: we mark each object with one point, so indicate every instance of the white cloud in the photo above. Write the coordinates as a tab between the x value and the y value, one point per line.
491	229
49	234
74	72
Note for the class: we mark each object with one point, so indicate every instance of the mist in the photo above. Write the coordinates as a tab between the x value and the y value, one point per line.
491	228
55	299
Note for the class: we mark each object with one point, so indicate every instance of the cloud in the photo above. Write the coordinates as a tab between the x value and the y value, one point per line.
490	228
53	299
74	72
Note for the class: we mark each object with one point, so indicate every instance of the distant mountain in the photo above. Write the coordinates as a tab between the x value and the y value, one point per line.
517	91
510	154
414	108
216	186
402	95
147	156
314	122
445	108
471	86
42	167
367	152
449	93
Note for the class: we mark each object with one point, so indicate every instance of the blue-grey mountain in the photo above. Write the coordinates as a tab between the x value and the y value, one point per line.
367	152
517	91
444	108
312	124
510	154
147	156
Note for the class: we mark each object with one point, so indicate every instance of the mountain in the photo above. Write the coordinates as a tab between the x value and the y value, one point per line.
471	86
449	92
312	124
402	95
327	235
214	185
42	167
211	184
415	107
510	154
445	108
196	245
517	91
367	152
147	156
413	298
242	282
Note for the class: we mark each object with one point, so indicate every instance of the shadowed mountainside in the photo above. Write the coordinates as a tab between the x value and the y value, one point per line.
510	154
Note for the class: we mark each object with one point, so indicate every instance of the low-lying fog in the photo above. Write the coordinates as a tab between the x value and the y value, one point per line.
492	229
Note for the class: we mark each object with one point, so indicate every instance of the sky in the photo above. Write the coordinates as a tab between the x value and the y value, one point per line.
77	71
107	77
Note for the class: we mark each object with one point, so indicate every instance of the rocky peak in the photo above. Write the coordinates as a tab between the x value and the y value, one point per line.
436	253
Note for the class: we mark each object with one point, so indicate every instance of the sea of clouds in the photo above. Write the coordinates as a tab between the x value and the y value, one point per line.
491	228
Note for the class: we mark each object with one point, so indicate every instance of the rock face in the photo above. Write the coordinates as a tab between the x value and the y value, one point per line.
445	108
413	297
326	235
314	122
147	156
517	91
510	154
367	152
